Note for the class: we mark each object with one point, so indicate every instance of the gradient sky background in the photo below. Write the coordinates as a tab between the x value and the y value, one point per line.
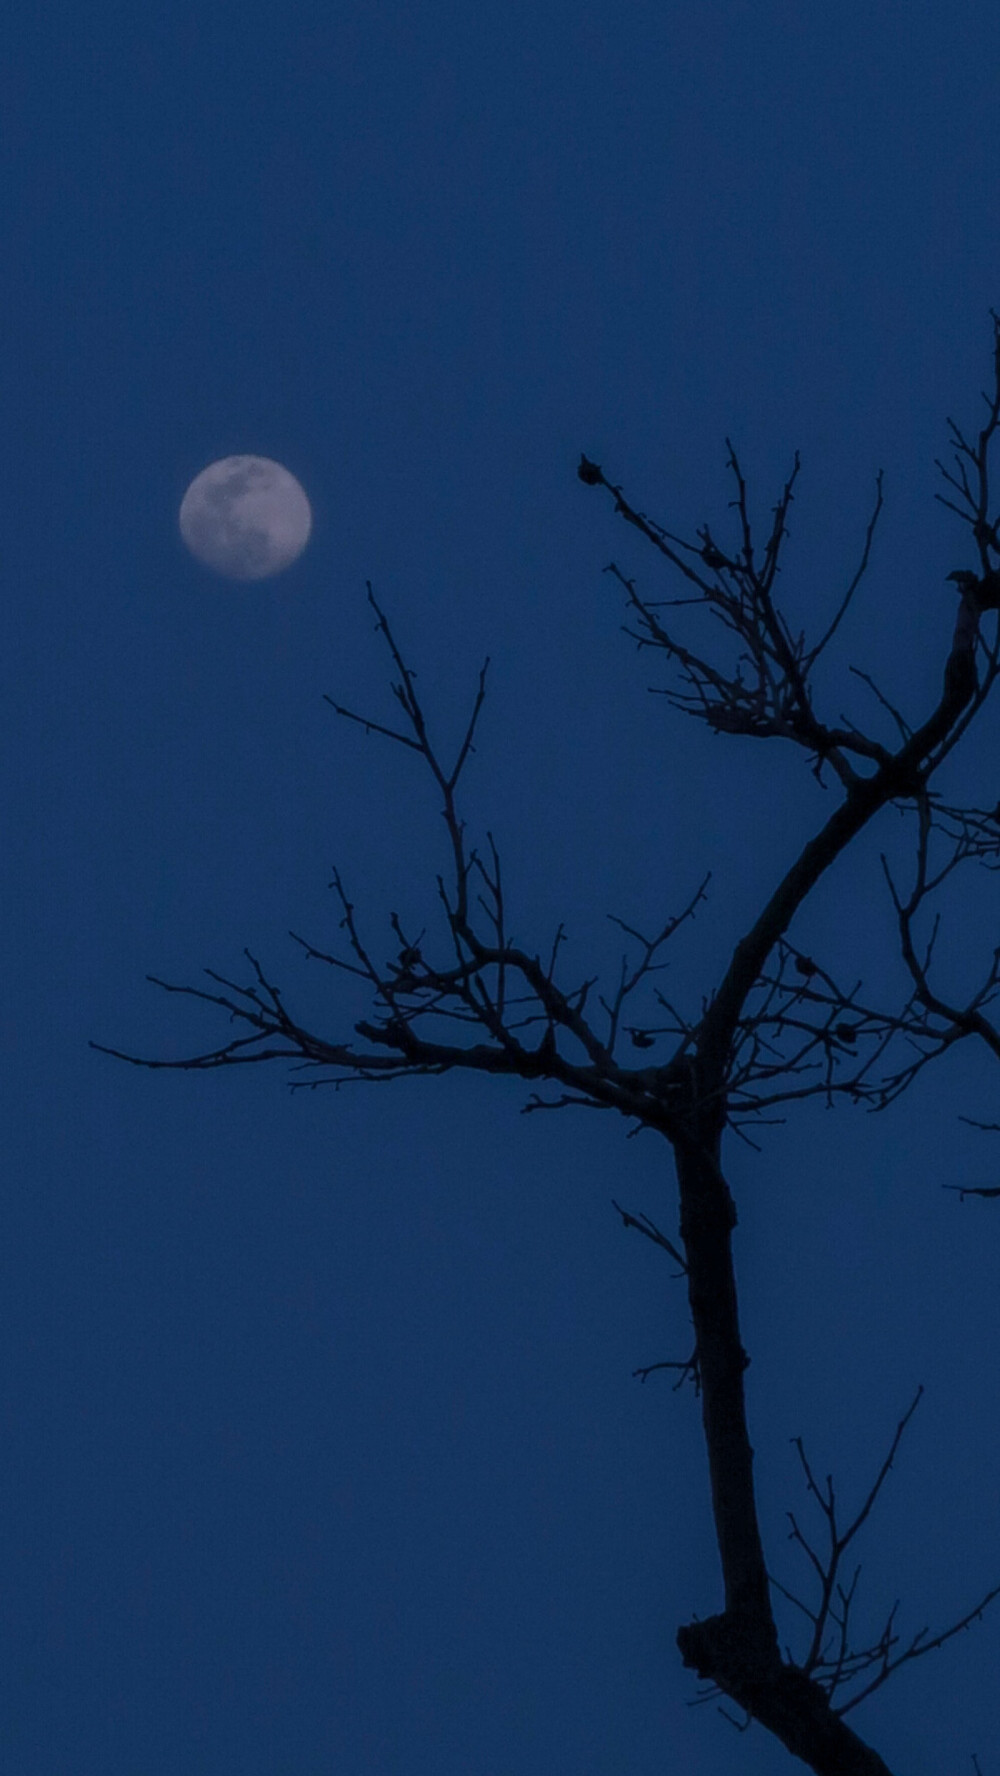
321	1448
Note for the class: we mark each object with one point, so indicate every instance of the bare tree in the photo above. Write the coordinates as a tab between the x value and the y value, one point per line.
778	1027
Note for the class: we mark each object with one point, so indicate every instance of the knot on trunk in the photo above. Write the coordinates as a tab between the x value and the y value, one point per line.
740	1655
736	1652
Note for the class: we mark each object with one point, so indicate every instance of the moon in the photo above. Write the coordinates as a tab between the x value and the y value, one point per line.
245	517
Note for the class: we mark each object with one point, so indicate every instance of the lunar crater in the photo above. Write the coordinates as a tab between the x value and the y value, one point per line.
245	517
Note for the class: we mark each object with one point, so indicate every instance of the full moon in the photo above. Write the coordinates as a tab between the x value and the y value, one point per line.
245	517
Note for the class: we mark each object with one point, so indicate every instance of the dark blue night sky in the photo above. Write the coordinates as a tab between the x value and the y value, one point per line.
321	1448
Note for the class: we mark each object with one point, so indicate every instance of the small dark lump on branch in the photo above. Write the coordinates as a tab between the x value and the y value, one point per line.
986	591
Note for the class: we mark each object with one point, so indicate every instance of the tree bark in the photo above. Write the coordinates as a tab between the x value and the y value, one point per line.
738	1650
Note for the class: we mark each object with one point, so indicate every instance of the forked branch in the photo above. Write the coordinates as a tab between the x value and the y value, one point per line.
831	1658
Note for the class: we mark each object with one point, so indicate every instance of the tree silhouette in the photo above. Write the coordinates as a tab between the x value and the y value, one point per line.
776	1028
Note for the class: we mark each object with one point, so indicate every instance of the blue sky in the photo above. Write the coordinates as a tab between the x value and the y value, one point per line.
321	1446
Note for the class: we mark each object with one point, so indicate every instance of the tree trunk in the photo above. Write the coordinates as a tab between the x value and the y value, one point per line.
738	1650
